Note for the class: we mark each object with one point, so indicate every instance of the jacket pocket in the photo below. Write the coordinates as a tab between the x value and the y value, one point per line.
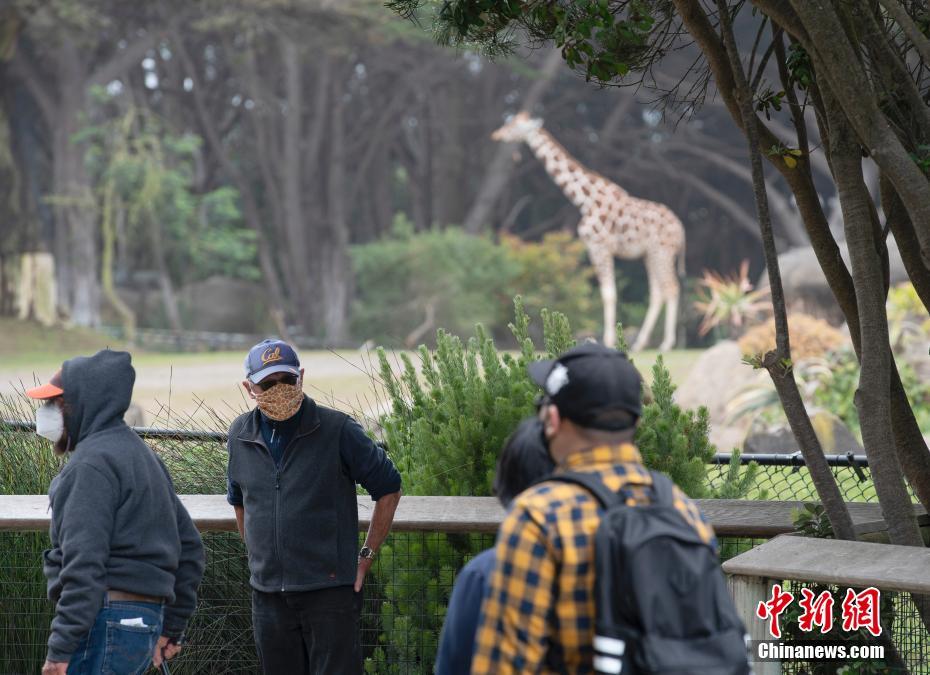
311	548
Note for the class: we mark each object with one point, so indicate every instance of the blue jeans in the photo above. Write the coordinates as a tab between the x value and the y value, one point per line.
113	647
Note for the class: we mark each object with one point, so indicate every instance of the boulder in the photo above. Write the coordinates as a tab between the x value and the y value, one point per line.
715	378
725	438
834	436
805	286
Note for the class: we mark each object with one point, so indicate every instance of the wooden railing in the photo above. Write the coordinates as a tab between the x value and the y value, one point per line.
848	564
729	517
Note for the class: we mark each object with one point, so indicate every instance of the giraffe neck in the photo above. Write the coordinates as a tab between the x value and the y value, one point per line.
575	181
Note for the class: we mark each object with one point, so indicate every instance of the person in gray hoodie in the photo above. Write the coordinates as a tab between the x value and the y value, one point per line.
125	558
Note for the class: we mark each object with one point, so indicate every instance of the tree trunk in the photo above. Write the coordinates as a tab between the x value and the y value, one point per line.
336	268
108	228
168	298
872	400
499	168
778	362
800	180
902	229
76	226
836	61
277	300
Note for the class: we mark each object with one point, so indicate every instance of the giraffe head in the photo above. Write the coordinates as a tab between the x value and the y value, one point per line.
517	128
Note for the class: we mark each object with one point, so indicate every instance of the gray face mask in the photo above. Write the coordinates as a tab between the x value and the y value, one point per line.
50	422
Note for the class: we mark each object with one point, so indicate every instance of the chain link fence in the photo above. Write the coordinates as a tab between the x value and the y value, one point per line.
405	596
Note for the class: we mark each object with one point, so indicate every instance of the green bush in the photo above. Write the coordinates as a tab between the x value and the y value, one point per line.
555	273
442	278
451	279
673	440
836	388
449	420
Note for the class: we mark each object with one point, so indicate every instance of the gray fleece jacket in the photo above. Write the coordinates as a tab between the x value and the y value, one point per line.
116	521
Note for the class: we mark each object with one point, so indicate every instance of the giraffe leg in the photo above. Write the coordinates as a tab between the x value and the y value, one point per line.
603	262
670	290
671	319
652	313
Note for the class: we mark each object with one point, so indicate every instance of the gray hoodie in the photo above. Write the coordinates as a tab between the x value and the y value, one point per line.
116	521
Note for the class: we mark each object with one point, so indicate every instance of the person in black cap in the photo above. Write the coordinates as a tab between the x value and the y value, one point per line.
538	614
293	467
125	559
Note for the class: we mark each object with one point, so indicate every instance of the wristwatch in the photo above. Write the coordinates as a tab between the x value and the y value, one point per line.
366	552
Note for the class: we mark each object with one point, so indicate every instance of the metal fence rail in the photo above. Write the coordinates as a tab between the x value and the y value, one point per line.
781	477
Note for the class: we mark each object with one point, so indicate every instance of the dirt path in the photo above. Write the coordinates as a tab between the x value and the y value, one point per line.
176	389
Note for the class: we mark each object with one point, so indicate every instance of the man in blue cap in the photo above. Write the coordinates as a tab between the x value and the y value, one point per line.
293	467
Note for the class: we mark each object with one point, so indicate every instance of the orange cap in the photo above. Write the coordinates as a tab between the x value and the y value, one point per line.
50	390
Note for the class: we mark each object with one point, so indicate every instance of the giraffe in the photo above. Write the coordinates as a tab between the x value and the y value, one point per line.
613	223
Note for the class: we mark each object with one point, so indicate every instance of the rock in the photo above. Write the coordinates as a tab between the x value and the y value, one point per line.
835	438
805	286
775	442
715	378
726	438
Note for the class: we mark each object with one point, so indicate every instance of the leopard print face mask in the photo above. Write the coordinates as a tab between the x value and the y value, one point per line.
282	401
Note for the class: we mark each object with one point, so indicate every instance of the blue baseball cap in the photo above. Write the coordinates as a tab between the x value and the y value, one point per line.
271	356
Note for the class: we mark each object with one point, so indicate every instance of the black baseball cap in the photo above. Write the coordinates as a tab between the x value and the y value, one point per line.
271	356
590	384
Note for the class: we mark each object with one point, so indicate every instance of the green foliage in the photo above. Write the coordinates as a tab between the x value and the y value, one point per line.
768	100
603	40
800	70
145	175
729	303
908	323
453	279
555	273
447	425
836	390
739	481
672	440
450	419
442	278
811	520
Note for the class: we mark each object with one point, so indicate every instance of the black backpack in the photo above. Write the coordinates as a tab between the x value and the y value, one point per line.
661	600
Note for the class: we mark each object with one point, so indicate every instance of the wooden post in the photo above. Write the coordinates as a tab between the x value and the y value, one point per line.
747	593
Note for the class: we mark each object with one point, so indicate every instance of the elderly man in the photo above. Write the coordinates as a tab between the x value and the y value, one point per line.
126	560
293	467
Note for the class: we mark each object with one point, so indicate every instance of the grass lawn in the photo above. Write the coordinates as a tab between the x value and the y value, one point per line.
181	388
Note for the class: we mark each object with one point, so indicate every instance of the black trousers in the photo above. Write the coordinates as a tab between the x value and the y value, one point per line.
309	633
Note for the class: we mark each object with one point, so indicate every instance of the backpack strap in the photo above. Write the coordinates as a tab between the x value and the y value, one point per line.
591	483
663	488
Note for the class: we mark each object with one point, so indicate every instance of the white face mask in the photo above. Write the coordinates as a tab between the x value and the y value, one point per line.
50	422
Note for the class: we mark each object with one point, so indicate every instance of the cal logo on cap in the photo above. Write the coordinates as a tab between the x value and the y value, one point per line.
271	355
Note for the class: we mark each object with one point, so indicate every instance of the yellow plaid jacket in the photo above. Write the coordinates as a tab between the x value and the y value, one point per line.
538	610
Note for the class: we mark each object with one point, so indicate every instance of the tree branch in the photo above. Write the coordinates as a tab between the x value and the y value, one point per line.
901	17
837	62
778	362
123	60
27	71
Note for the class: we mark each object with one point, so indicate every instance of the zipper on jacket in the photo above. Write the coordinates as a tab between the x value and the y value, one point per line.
277	522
